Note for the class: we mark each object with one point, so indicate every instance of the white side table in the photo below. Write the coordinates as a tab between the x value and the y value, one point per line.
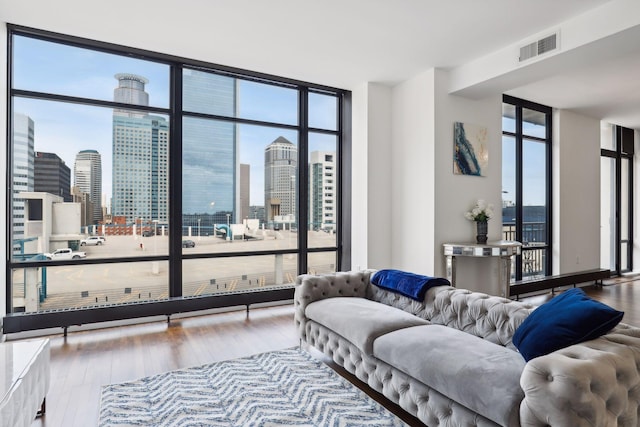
24	381
504	249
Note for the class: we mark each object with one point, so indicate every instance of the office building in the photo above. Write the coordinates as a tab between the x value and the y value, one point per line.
210	167
52	175
322	190
140	156
245	190
87	176
280	171
23	168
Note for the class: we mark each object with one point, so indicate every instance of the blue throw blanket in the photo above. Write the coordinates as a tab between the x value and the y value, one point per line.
408	284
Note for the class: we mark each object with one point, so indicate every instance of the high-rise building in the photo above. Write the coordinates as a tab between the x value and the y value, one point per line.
130	90
140	156
52	175
245	190
86	207
210	160
87	176
23	168
280	171
322	190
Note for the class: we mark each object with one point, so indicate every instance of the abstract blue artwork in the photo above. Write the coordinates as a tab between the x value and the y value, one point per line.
470	149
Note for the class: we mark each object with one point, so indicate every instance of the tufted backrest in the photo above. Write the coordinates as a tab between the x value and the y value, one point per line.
489	317
310	288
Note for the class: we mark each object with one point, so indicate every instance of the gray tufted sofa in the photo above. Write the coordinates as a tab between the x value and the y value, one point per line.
449	360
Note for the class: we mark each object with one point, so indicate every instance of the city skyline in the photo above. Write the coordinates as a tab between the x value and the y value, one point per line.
82	156
67	128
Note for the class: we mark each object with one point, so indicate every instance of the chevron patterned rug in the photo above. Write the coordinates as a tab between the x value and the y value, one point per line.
287	387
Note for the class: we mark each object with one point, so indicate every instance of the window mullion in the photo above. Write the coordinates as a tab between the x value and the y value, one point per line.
175	184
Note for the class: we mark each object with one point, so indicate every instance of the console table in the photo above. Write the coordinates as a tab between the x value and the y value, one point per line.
504	249
24	381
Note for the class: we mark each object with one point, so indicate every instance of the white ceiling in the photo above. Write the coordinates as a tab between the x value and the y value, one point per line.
344	43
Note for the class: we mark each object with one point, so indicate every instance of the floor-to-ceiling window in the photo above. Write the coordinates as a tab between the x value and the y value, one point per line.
526	183
203	181
616	175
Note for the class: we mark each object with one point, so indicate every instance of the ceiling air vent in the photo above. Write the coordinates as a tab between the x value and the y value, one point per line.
544	45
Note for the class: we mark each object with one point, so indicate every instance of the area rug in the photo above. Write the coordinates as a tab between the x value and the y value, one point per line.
280	388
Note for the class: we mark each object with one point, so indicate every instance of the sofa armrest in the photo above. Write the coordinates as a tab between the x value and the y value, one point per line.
310	288
594	383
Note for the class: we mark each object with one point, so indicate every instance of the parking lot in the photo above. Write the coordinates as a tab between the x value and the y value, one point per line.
91	284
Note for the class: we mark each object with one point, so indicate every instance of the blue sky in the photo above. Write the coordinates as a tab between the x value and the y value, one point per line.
65	129
534	181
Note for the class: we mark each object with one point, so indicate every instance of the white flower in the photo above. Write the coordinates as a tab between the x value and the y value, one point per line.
480	212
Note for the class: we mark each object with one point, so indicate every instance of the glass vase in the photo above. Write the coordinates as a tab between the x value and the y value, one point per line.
481	232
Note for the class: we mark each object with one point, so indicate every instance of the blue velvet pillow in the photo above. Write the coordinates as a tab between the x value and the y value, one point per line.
570	318
408	284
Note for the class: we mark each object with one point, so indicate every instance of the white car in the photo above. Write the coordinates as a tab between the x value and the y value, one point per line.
92	241
65	253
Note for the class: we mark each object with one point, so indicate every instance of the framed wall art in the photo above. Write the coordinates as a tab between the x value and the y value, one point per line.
470	149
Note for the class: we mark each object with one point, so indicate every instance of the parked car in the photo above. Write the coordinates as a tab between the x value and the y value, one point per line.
65	253
188	244
92	241
147	233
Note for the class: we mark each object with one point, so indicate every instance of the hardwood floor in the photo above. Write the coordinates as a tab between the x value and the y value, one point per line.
83	362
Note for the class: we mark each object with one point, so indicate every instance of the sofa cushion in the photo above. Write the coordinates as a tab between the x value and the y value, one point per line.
476	373
360	320
570	318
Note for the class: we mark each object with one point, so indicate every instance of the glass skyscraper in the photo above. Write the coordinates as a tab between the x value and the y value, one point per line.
141	152
210	164
140	156
23	168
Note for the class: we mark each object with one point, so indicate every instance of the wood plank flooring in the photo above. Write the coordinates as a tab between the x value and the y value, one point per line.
85	361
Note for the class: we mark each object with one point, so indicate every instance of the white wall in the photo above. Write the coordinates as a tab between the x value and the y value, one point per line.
380	227
65	218
359	177
371	177
428	200
576	192
413	174
456	194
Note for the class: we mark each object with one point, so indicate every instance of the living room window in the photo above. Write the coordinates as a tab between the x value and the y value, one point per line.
617	201
526	183
199	177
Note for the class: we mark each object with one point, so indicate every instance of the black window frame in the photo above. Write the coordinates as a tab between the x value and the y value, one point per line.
519	137
624	142
15	322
